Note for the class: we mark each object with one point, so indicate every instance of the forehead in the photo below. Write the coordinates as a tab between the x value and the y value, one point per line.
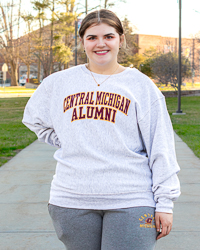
100	29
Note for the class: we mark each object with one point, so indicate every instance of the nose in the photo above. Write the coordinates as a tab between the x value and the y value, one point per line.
101	43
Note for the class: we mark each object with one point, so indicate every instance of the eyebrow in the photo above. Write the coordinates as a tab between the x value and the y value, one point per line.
104	35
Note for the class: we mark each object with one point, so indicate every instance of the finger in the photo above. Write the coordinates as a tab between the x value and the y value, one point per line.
169	228
163	233
157	221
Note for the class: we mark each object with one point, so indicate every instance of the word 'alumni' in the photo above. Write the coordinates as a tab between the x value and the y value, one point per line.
111	102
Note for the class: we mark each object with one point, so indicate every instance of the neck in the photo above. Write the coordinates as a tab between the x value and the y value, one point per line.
103	69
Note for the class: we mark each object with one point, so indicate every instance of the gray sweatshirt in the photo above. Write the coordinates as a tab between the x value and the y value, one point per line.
115	141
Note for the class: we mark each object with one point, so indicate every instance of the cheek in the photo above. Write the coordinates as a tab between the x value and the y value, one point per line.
89	45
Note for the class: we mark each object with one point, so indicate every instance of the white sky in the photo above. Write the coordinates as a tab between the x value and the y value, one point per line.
154	17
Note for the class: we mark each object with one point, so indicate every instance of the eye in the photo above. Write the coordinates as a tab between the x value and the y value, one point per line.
92	38
109	37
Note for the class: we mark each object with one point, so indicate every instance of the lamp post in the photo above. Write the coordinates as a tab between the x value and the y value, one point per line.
4	69
179	111
76	24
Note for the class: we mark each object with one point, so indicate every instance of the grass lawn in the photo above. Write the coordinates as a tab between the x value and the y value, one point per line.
14	136
187	126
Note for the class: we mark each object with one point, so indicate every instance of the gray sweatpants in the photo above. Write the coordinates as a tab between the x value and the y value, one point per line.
116	229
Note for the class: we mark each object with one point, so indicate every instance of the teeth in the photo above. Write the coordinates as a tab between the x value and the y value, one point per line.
101	52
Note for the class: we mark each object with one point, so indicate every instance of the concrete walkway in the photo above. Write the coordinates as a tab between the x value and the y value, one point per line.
24	192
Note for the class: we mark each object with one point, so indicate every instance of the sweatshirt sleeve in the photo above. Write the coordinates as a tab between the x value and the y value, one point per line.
158	137
38	119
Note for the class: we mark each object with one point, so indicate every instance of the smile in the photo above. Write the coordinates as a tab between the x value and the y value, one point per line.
103	52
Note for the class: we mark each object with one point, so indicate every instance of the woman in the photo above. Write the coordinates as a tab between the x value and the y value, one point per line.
116	174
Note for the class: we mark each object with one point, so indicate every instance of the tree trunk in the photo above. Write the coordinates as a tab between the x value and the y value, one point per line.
28	71
14	74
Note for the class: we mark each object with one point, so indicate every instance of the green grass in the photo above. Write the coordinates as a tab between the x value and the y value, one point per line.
187	126
14	136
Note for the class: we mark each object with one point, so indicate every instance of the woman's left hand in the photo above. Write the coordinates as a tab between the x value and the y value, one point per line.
165	220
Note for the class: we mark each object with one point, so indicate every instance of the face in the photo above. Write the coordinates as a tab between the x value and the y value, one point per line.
101	43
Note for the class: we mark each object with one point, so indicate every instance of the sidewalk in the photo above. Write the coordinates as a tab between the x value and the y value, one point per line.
24	192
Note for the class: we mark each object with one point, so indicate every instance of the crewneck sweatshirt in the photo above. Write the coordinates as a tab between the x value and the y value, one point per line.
115	141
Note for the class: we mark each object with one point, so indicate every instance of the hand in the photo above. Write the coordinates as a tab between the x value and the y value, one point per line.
165	220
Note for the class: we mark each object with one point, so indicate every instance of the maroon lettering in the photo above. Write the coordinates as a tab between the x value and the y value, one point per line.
87	98
114	115
81	98
110	99
127	106
81	115
102	100
108	114
77	96
99	113
90	113
121	108
118	101
74	115
91	99
72	101
98	98
105	101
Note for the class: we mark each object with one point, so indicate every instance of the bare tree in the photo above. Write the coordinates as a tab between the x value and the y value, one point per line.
165	68
26	43
9	35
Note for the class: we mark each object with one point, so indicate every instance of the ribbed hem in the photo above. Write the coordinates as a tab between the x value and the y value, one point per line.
102	202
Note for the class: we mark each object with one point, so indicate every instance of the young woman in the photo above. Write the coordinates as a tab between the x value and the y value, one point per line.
116	174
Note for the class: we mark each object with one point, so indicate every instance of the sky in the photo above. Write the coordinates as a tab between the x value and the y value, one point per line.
153	17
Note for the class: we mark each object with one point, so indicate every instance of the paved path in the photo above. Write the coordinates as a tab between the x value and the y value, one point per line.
24	192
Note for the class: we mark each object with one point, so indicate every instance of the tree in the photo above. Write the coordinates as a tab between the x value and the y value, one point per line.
165	68
9	35
126	55
148	57
64	29
26	55
40	7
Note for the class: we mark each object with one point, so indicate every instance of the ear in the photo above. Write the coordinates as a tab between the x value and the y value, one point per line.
81	40
122	39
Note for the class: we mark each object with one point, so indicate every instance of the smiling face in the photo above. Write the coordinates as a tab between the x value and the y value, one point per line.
101	43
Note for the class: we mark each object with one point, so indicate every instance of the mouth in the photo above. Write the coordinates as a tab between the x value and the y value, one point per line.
101	52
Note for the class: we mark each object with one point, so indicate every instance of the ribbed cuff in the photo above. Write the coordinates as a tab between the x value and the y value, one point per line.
164	205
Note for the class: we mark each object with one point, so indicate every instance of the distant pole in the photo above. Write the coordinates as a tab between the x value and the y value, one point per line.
86	11
179	111
193	64
76	23
179	63
86	7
